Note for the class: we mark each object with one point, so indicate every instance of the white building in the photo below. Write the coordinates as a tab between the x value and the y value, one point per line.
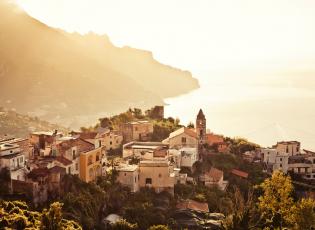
128	175
12	159
145	150
275	160
188	156
183	137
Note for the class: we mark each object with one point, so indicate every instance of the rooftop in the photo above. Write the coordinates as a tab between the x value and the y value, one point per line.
193	205
127	168
154	163
215	174
288	142
189	132
239	173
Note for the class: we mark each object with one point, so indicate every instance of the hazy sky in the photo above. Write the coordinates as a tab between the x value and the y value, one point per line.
240	50
203	36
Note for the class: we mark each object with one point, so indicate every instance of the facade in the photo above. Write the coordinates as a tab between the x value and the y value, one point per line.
290	147
111	139
157	174
128	175
145	150
183	137
12	159
91	164
137	131
42	140
275	160
23	144
188	157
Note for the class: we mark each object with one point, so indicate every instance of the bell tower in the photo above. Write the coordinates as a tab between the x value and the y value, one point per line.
201	127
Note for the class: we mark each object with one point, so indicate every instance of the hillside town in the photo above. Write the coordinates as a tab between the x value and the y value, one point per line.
38	164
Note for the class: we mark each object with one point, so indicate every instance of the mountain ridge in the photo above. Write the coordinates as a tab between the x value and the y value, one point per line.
70	78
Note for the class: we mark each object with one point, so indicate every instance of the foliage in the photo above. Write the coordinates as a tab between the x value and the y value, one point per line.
83	201
276	204
16	215
162	128
304	215
123	225
240	145
159	227
4	181
240	219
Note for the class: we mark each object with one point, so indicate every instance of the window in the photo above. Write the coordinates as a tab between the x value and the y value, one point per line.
73	154
287	150
69	170
98	157
148	180
99	143
160	175
136	128
135	179
280	165
76	166
90	160
110	142
125	174
183	139
280	158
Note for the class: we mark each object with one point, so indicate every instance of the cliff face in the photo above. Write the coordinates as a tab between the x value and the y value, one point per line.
69	78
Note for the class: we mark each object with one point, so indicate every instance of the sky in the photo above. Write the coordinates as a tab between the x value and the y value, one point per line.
241	51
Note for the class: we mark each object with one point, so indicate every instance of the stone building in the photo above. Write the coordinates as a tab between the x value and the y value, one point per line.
137	131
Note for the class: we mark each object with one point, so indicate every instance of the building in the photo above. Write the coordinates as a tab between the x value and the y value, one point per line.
157	112
188	157
23	143
128	175
214	178
218	141
42	140
91	164
145	150
110	139
274	160
183	137
290	147
12	159
157	174
201	126
137	131
71	148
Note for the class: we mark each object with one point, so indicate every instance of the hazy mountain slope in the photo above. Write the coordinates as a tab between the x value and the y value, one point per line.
65	77
18	125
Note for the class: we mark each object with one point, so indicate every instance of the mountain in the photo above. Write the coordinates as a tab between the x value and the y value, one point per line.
71	78
18	125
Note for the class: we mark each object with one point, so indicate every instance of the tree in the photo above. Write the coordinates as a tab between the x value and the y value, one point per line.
190	125
17	215
123	225
304	214
276	204
159	227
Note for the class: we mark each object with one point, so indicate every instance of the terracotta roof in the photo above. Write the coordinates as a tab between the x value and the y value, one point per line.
57	169
193	205
239	173
38	172
89	135
189	132
63	161
215	174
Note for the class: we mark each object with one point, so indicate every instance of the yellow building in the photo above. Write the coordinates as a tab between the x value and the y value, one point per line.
91	164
